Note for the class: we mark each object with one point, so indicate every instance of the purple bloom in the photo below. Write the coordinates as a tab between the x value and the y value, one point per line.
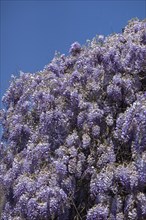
97	212
32	209
101	183
60	168
75	48
96	131
86	141
114	92
72	139
101	38
73	142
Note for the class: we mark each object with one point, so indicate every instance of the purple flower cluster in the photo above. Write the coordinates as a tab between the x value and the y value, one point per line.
74	134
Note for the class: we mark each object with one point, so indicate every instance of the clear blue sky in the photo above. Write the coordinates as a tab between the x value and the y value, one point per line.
31	31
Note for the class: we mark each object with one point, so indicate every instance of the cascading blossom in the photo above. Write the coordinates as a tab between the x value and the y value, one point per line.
74	134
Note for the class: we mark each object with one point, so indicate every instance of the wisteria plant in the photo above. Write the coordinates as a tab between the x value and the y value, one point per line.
74	135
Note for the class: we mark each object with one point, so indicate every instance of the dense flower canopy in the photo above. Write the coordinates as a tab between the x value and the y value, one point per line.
74	134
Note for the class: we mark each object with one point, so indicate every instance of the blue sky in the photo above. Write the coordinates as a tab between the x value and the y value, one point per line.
31	31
